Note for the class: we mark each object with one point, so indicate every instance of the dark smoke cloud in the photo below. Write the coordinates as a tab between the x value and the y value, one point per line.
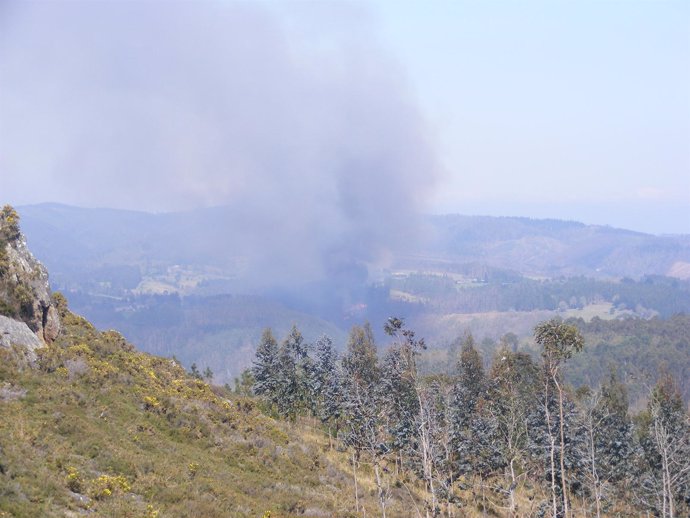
294	119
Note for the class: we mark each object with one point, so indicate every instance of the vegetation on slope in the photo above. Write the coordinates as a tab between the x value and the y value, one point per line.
642	351
514	441
97	426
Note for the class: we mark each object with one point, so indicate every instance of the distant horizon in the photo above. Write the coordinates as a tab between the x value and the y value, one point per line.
505	213
351	116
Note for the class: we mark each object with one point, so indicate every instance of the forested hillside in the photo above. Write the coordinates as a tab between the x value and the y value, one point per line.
109	251
178	283
640	351
94	427
552	248
90	425
512	440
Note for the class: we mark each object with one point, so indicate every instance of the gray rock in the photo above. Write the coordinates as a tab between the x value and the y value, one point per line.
27	270
17	333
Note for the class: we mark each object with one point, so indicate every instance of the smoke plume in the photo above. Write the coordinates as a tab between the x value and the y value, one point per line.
291	116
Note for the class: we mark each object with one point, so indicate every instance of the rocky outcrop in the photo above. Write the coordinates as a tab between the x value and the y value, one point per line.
14	333
25	269
25	296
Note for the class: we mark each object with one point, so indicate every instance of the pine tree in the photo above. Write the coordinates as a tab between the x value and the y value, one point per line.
325	361
398	390
327	384
468	390
265	368
294	375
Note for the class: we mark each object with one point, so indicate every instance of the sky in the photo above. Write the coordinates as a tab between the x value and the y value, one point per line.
351	116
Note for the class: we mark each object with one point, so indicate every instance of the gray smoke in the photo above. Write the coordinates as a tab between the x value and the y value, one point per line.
294	119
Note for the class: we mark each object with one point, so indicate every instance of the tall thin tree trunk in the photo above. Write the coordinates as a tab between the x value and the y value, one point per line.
564	485
595	476
669	489
379	485
513	484
354	474
552	452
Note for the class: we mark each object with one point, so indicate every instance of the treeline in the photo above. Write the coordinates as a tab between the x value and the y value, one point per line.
640	349
513	440
665	295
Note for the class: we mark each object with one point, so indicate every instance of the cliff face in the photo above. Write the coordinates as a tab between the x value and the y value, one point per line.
26	306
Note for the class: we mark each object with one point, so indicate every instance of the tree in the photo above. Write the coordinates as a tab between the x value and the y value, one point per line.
327	385
432	440
399	383
398	394
244	385
294	372
610	449
559	342
513	391
194	371
360	360
409	345
468	390
362	410
265	367
666	443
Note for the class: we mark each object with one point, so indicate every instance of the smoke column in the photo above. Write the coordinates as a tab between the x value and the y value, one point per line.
293	118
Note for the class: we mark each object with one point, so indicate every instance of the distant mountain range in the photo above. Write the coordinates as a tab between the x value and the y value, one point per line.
552	248
178	283
119	249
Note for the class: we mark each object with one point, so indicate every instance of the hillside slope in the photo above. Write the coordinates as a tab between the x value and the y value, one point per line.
91	426
96	426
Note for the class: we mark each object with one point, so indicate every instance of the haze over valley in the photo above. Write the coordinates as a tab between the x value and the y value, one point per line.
344	258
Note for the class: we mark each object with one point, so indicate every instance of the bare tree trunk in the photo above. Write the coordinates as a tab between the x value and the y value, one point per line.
379	486
425	435
513	484
668	491
595	476
354	474
552	452
564	485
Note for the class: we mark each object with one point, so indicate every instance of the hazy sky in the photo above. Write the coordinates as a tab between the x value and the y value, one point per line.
351	113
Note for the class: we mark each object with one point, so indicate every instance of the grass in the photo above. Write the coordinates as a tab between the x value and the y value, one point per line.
99	427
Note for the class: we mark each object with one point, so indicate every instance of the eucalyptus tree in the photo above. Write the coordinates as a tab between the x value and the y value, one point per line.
399	385
610	448
363	414
665	478
513	389
559	341
265	368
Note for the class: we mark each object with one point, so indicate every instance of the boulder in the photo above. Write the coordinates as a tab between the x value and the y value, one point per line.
14	333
